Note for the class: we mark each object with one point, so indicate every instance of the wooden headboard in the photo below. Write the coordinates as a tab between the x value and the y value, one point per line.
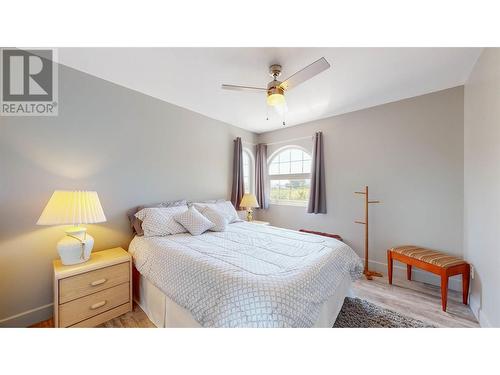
336	236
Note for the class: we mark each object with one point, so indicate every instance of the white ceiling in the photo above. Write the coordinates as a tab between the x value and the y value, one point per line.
359	77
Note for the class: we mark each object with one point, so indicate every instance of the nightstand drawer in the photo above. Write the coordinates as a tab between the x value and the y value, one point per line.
93	281
83	308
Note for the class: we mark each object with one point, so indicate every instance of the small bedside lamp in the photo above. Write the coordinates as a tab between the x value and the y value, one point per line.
249	201
75	208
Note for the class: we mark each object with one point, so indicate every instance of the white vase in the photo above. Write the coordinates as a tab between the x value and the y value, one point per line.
76	246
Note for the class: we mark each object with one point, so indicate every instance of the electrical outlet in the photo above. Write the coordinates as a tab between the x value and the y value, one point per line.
472	272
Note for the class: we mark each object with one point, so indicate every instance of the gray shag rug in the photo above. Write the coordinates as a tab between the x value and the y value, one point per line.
358	313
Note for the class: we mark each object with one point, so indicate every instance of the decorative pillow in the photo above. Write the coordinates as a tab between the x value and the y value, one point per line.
226	208
217	218
135	223
159	221
193	221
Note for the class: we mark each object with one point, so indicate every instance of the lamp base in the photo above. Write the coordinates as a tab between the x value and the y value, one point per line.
249	214
76	246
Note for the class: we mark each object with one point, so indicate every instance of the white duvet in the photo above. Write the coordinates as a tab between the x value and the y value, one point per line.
247	276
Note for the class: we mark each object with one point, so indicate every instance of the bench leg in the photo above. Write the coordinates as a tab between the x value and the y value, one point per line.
465	284
389	266
408	271
444	289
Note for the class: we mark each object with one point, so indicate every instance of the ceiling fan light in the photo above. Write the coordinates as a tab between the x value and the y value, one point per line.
275	100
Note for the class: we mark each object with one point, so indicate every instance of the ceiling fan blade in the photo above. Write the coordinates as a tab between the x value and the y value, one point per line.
307	73
242	88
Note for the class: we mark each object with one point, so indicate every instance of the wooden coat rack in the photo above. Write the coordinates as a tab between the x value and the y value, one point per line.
368	274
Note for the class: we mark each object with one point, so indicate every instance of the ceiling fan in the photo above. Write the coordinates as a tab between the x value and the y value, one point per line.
276	89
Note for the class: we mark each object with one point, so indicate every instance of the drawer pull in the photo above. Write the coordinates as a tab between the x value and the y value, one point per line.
98	282
97	305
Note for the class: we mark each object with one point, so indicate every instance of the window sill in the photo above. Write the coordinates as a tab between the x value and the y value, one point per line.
288	203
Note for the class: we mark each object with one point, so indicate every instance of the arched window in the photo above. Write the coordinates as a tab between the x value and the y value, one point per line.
290	176
248	167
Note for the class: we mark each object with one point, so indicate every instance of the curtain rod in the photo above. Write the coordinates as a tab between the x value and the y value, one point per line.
279	142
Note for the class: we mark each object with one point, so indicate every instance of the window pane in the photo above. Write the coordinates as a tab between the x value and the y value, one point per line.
246	184
296	167
274	168
307	166
284	190
305	156
275	190
275	194
247	172
284	156
296	154
300	190
290	190
284	168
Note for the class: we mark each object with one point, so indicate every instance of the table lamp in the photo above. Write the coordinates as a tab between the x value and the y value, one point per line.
73	208
249	201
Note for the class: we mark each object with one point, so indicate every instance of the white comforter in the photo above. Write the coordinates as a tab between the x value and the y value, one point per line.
248	276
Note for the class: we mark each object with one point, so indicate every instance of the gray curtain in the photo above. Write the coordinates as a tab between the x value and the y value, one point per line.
317	196
237	190
261	188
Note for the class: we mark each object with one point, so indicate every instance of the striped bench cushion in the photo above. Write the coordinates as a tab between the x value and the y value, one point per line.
428	256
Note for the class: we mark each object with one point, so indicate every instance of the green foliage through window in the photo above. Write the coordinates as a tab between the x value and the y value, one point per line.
289	176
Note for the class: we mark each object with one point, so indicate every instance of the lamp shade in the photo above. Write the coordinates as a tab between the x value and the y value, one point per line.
276	100
72	207
249	201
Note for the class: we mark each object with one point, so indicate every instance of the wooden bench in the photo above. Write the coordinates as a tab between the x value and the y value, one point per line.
433	261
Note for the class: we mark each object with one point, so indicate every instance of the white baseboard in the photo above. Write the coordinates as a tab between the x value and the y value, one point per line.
399	272
484	322
481	317
474	306
29	317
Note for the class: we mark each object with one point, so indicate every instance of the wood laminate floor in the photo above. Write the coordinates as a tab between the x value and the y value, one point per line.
133	319
412	298
417	300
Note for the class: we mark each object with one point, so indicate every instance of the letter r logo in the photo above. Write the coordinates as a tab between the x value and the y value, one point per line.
27	75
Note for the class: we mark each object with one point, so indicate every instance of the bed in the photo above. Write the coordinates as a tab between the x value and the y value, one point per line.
247	276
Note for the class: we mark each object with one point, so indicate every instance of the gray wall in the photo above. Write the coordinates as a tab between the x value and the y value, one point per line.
129	147
482	185
410	154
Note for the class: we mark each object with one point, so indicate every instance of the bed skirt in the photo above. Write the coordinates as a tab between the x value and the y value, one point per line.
165	313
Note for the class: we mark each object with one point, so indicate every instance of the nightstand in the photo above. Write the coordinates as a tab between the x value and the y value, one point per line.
260	222
91	293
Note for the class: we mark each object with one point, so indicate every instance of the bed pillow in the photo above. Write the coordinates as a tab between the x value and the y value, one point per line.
194	221
226	208
217	218
136	223
159	221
